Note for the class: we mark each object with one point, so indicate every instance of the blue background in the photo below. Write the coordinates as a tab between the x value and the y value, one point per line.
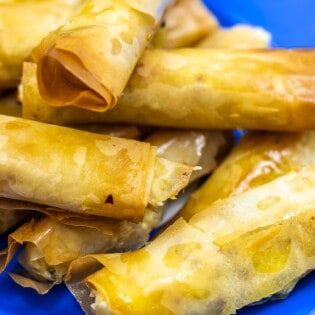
292	24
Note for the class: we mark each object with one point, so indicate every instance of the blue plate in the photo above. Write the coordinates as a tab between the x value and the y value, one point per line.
292	24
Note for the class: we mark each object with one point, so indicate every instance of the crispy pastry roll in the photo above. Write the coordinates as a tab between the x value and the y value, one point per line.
23	25
114	34
237	37
184	24
204	88
238	251
257	159
84	172
9	106
201	148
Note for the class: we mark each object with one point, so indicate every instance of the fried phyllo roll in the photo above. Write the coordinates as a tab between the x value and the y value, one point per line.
238	251
258	158
202	148
237	37
184	24
23	25
204	88
9	106
84	172
114	34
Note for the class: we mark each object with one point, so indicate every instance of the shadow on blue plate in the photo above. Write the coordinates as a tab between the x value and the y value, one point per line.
292	24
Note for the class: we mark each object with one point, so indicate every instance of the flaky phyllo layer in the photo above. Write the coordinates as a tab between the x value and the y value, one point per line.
238	251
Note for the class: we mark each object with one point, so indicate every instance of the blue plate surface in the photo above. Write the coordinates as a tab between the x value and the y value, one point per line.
292	24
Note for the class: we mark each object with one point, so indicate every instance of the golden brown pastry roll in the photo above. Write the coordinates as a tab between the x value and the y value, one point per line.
184	24
23	25
238	251
204	88
84	172
258	158
202	148
114	34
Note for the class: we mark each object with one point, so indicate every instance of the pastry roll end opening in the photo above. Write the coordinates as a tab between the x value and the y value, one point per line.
79	87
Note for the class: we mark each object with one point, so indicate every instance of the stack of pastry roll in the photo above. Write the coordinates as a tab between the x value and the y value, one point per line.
159	178
81	175
68	174
250	238
154	66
